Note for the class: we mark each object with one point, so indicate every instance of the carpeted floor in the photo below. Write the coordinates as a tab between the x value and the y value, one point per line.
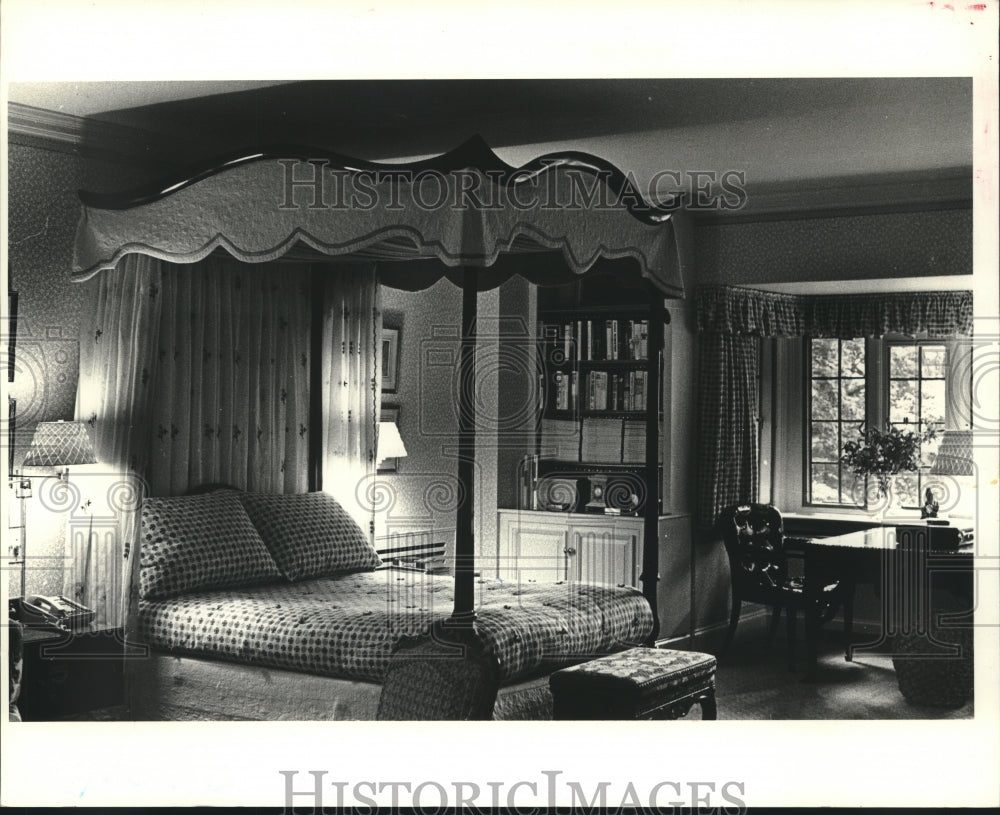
753	682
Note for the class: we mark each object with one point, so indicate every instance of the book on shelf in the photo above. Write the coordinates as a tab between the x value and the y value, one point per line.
635	400
634	442
528	477
601	440
565	390
638	339
561	439
603	340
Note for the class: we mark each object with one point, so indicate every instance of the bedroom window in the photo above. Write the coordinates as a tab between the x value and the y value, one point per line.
836	407
916	392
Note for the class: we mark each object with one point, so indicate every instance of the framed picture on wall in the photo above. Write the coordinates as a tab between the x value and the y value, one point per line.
390	359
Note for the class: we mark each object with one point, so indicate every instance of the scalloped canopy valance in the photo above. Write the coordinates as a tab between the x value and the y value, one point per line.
561	215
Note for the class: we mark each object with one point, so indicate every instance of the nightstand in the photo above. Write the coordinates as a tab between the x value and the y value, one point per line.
69	673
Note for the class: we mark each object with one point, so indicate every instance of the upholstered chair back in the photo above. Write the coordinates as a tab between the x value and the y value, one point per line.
754	539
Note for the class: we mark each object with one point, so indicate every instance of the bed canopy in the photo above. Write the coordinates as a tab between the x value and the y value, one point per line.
465	215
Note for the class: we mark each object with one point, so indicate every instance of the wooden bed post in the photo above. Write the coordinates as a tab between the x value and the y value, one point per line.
464	613
651	517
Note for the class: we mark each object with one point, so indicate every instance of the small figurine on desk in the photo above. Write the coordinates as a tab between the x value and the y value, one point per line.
930	507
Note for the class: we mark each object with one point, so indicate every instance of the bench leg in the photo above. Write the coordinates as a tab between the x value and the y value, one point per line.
709	711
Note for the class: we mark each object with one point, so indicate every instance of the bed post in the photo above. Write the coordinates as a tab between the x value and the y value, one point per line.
464	614
651	517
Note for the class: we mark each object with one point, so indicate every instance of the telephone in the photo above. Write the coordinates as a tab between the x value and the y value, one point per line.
59	611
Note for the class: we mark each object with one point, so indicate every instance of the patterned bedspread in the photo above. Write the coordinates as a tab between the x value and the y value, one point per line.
345	626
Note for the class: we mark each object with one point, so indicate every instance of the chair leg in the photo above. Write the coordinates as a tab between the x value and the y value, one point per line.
734	618
849	627
775	620
812	644
791	637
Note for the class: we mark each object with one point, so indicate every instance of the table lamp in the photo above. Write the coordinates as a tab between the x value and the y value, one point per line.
954	459
55	444
390	445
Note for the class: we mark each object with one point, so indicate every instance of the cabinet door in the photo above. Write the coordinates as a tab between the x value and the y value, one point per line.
533	551
603	553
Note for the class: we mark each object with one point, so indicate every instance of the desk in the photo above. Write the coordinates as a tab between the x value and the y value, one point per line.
926	592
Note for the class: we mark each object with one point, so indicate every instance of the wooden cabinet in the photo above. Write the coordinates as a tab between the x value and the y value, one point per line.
552	546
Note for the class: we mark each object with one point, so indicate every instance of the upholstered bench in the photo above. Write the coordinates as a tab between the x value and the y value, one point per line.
641	683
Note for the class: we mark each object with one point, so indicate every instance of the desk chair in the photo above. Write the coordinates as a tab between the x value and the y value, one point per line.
755	543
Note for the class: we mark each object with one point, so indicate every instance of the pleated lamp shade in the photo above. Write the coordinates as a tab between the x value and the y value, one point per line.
60	444
390	443
955	454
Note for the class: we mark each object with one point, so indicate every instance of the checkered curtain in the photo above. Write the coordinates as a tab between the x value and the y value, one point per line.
935	314
728	385
351	383
731	321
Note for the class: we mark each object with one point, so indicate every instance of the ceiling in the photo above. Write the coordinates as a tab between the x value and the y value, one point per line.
803	144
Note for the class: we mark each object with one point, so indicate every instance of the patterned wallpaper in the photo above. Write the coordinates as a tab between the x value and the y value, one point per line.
856	247
423	494
42	213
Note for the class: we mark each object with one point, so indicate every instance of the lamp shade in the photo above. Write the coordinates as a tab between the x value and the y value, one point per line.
60	444
954	456
390	443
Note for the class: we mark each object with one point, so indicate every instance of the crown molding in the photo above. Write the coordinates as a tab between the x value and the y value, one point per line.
949	188
63	132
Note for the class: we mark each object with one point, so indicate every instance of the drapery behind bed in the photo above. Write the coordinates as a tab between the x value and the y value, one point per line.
201	373
351	382
117	351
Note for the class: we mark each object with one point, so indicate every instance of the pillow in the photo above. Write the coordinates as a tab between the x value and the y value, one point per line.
310	535
197	542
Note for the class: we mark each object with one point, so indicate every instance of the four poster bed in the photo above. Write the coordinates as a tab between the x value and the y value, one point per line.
256	606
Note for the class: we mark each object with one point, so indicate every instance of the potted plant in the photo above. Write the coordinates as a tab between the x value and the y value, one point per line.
882	454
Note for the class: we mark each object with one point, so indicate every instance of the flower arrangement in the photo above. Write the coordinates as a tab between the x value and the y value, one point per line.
883	454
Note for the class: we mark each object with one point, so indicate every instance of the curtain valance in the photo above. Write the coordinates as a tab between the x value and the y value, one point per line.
926	313
737	310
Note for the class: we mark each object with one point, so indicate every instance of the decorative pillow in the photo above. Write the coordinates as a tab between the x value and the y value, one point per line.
196	542
310	535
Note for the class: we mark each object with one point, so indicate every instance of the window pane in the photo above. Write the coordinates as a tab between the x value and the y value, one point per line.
824	441
824	399
824	357
904	489
902	360
824	486
932	396
850	431
933	361
902	401
929	451
852	490
853	358
853	399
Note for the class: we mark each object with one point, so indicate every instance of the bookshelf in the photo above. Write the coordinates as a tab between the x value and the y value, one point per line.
589	503
600	344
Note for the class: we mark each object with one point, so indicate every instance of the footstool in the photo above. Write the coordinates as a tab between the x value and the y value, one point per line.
641	683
